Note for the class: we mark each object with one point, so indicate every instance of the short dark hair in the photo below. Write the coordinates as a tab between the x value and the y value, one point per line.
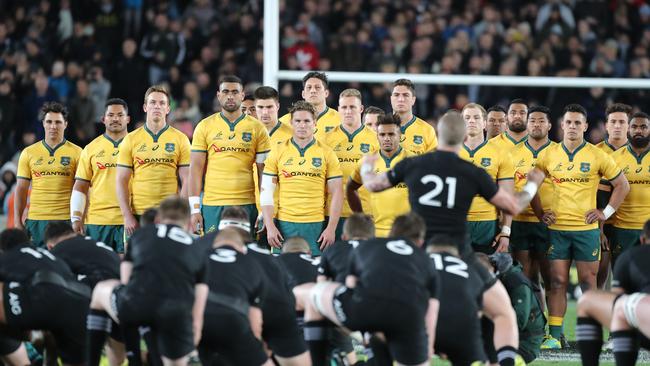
389	119
56	229
618	107
372	110
149	217
517	101
318	75
301	105
640	115
405	82
266	92
497	108
13	238
541	109
441	240
54	107
575	108
117	101
410	226
174	208
230	79
359	225
234	212
249	97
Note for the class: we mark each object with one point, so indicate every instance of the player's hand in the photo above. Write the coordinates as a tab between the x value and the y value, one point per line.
604	242
19	225
536	176
274	237
130	224
594	215
327	237
78	227
549	217
502	242
196	223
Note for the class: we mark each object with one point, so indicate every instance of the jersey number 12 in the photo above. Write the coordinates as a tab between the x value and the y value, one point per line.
429	198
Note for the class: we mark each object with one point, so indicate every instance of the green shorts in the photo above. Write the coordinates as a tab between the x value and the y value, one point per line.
624	239
581	245
36	230
481	235
310	231
339	226
531	236
111	235
212	216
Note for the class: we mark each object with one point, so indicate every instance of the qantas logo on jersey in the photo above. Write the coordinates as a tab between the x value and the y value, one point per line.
348	160
641	181
570	180
46	173
154	161
218	149
287	174
102	166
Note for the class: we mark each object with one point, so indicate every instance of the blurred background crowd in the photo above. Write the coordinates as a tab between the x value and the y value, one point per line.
82	52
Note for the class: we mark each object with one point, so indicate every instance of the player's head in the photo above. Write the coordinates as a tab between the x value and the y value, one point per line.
248	106
618	118
230	93
174	210
639	131
12	238
228	236
350	107
409	226
539	122
358	226
517	115
156	103
56	232
116	115
303	119
474	115
574	122
402	97
451	129
296	244
370	117
315	88
645	235
55	120
484	260
235	216
496	120
149	217
267	104
389	132
442	242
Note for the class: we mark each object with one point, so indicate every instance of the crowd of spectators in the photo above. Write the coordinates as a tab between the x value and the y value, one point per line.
82	52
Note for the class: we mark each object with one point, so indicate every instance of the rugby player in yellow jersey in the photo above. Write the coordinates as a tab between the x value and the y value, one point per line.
301	168
482	223
515	132
248	106
371	116
385	205
151	160
575	167
49	166
315	90
496	121
529	238
618	116
96	172
634	159
267	104
418	136
351	140
226	146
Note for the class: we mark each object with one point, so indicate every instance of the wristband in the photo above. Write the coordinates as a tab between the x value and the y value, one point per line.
531	189
195	204
75	218
505	230
608	211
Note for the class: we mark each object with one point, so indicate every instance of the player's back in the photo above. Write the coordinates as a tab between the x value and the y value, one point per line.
91	261
274	274
235	275
22	262
631	271
335	260
166	263
460	289
301	268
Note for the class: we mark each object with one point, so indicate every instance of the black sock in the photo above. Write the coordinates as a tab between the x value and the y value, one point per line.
626	347
98	325
380	353
589	335
153	355
506	356
316	336
132	344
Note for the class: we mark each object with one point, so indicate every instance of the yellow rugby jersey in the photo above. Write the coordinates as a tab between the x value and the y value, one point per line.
98	166
155	160
507	142
349	149
278	134
51	172
302	178
325	121
524	158
575	178
388	204
608	148
635	209
418	136
231	149
498	165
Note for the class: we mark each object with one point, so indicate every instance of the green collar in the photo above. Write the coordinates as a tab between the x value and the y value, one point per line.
572	154
52	150
388	161
472	152
408	124
275	128
612	146
353	134
525	138
234	123
324	112
639	158
115	143
155	137
302	151
535	152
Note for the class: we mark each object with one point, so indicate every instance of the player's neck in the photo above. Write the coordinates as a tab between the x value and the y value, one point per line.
405	117
640	150
154	126
390	154
302	142
571	145
537	143
517	136
320	108
448	148
473	142
53	142
271	125
116	136
617	143
351	127
232	116
443	248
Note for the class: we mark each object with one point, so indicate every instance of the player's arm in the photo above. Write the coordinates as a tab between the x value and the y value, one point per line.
20	201
255	320
335	190
200	297
620	189
502	240
431	323
376	182
512	204
352	194
194	187
78	204
497	307
183	174
267	191
123	198
126	267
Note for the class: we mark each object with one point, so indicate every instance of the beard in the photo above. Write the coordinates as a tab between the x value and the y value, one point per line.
639	142
230	109
517	126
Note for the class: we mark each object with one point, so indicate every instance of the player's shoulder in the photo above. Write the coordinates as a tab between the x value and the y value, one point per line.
35	148
332	112
97	142
322	145
176	133
422	124
72	147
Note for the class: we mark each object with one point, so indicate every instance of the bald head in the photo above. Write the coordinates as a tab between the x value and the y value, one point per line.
296	244
228	236
451	129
